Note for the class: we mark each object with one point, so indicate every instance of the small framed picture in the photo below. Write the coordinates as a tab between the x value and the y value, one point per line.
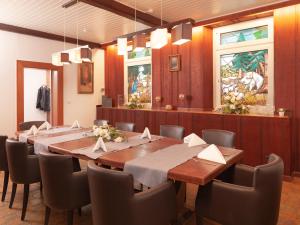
85	81
174	63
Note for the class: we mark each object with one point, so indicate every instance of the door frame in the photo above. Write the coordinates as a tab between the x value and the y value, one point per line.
21	65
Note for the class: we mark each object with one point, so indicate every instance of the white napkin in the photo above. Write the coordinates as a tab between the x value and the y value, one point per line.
100	144
212	153
45	126
33	131
75	124
146	134
193	140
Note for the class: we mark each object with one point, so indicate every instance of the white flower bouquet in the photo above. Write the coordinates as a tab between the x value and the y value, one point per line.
134	102
108	133
234	105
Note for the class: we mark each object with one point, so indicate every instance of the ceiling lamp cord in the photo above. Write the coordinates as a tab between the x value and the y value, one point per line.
134	15
161	13
77	23
64	29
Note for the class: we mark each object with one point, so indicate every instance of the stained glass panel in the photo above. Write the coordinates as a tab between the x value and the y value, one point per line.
250	34
244	76
135	55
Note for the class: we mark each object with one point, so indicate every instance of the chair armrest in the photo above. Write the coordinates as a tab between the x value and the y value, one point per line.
156	205
243	175
220	201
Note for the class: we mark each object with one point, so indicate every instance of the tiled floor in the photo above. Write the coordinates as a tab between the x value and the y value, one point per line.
289	212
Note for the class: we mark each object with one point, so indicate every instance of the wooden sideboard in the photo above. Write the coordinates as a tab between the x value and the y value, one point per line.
257	135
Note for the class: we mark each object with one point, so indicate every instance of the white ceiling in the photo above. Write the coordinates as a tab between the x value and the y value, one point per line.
100	26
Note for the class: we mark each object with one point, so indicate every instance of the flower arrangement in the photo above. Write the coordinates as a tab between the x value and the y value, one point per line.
234	105
108	133
134	102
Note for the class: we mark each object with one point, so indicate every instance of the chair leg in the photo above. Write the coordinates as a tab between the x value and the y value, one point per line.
70	217
5	183
13	194
25	200
47	215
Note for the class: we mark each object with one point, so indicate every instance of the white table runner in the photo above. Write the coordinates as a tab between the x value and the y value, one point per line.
113	146
43	143
152	169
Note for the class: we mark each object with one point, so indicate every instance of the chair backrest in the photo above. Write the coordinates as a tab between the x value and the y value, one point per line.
125	126
111	191
56	173
100	122
268	184
219	137
3	158
17	160
172	131
27	125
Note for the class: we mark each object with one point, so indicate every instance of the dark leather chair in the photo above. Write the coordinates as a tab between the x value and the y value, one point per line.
3	165
27	125
100	122
114	201
252	198
23	169
125	126
172	131
223	138
63	189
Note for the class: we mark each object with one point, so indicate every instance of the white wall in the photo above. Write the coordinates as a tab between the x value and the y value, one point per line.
33	80
15	47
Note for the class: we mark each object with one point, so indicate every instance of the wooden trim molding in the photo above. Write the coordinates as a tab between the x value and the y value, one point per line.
57	116
50	36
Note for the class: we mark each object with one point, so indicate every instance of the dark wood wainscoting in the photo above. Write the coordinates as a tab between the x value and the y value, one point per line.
258	136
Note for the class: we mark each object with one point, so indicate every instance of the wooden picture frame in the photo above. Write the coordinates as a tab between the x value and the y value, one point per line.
174	63
85	78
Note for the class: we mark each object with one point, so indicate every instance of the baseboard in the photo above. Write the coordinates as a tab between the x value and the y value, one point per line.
296	174
288	178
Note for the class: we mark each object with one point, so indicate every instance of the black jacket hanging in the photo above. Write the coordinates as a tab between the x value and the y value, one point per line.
43	99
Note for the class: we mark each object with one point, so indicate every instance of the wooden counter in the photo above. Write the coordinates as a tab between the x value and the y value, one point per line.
257	135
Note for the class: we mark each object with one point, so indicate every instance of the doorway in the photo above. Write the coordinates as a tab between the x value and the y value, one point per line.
30	77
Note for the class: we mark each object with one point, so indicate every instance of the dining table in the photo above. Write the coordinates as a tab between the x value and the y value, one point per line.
195	171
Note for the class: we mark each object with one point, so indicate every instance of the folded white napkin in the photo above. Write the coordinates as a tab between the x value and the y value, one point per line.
100	144
212	153
146	134
45	126
193	140
75	124
33	130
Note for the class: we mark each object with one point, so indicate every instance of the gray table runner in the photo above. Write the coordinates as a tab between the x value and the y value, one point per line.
113	146
152	169
43	143
23	136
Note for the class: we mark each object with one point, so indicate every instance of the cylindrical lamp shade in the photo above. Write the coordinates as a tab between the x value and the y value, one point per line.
159	38
122	46
182	33
86	54
139	42
56	59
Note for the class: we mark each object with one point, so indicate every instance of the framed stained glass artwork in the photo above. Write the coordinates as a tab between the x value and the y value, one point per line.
146	52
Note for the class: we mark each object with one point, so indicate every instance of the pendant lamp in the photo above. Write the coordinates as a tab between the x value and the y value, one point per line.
182	33
122	46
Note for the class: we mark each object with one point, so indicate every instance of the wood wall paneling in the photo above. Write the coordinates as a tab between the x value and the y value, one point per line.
251	140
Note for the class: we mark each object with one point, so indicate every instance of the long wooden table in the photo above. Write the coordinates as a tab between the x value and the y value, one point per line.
193	171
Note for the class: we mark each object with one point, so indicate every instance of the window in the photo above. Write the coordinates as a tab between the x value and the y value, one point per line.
243	64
